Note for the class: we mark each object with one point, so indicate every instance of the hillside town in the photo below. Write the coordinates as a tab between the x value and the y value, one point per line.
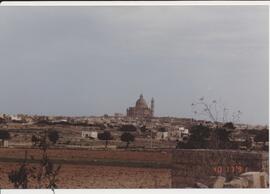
148	131
223	155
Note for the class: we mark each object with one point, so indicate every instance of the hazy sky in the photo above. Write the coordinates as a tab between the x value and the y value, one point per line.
97	60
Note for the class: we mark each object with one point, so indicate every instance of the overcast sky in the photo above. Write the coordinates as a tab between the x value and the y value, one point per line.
97	60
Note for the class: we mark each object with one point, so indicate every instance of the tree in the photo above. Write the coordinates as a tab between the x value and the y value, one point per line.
198	138
53	136
20	177
4	135
162	129
2	120
223	134
207	109
106	136
127	128
263	136
213	111
143	129
127	137
221	138
45	174
34	140
203	137
182	145
229	125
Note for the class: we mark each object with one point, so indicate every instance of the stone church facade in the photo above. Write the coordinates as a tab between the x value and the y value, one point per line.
141	110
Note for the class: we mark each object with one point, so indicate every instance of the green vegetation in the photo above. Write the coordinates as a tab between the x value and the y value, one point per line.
127	137
53	136
4	135
45	175
105	136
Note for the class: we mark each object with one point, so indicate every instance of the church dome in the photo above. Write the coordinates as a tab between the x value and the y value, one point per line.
141	103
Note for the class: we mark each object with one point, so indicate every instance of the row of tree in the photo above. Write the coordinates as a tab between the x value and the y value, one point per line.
204	137
45	173
53	137
125	137
106	136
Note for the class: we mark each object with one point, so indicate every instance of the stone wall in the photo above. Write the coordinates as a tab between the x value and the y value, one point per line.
190	166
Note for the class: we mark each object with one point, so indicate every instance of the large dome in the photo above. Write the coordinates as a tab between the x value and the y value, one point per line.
140	103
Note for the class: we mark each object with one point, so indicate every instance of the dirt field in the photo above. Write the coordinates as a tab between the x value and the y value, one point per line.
88	176
114	169
82	168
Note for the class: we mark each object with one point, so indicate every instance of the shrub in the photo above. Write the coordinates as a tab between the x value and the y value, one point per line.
127	128
127	137
53	136
4	135
106	136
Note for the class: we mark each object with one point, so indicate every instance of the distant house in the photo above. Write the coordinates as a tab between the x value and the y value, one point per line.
2	118
118	115
59	121
90	134
15	118
183	132
4	143
162	135
178	134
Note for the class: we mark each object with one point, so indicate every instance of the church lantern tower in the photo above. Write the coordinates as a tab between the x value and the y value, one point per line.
152	106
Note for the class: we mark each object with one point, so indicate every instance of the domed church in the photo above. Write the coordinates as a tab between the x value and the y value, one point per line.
141	110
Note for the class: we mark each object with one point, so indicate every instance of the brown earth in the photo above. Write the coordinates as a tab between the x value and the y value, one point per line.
83	168
113	169
88	176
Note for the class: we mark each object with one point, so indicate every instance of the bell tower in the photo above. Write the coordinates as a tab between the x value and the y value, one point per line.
152	107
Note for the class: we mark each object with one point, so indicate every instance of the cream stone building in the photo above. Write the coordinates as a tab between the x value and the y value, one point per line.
141	109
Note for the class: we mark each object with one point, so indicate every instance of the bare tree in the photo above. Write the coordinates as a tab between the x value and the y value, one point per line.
219	135
236	116
212	111
45	174
20	176
207	109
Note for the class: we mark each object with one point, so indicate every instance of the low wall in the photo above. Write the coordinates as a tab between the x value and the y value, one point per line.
190	166
87	154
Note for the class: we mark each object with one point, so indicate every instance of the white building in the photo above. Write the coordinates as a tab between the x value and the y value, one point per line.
178	133
183	132
4	143
15	118
162	135
89	134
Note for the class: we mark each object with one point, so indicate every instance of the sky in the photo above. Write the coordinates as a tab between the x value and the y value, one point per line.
83	61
